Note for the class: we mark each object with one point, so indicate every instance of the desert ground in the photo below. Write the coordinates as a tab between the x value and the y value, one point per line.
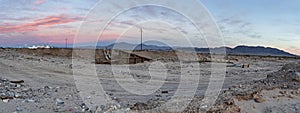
42	81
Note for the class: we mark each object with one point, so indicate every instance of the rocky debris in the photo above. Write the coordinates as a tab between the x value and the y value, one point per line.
150	104
5	100
164	92
287	108
296	76
19	108
84	108
290	94
229	101
17	92
6	93
249	90
238	65
70	66
259	99
59	101
139	106
17	81
285	78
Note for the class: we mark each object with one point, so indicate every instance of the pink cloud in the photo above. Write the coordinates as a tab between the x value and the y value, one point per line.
37	24
38	2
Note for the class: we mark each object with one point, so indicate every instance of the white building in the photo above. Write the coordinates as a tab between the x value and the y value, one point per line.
39	47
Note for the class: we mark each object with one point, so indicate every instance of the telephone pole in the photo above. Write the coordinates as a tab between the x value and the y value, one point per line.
66	42
141	39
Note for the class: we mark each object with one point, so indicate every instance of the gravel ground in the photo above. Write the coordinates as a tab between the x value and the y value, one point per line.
45	84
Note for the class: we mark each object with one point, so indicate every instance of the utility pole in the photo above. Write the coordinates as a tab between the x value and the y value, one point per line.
66	42
141	39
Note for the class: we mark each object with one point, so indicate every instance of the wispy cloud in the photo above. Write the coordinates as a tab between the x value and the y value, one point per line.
39	23
234	25
234	21
5	18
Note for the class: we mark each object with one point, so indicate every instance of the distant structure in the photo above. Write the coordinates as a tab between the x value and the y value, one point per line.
121	57
40	47
141	39
66	42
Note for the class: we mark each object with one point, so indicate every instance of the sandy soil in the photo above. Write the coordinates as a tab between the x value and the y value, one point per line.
49	85
273	101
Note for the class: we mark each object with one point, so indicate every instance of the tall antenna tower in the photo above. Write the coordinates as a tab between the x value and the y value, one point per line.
66	42
141	38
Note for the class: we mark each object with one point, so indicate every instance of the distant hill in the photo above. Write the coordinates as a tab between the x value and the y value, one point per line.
239	50
259	50
249	50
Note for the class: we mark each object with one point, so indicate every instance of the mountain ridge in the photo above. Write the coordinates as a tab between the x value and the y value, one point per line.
238	50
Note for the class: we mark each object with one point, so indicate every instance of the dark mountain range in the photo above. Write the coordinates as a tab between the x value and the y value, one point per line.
259	50
239	50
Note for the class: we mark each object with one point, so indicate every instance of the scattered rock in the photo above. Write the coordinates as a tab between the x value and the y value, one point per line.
139	106
17	95
25	89
102	107
5	97
19	108
70	66
283	92
259	99
84	108
29	100
11	94
17	81
5	100
296	76
59	101
229	102
18	85
164	92
291	96
47	87
56	108
204	106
